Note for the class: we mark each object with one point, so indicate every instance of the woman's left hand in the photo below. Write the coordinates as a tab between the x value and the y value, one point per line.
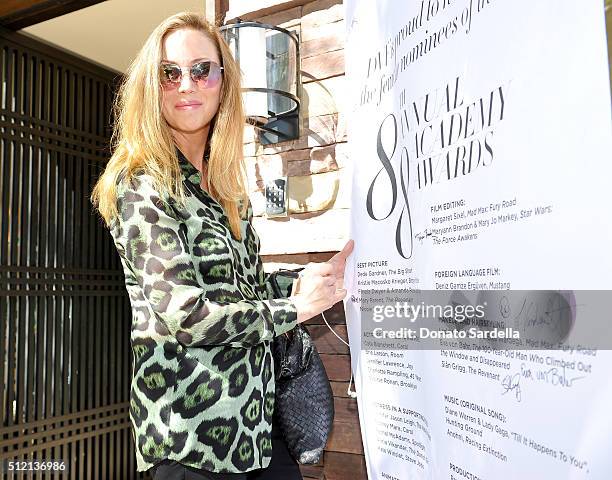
338	264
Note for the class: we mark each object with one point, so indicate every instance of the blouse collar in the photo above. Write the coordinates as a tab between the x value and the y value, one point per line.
190	173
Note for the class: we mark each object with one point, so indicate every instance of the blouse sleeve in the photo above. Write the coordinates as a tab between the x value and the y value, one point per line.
155	247
277	284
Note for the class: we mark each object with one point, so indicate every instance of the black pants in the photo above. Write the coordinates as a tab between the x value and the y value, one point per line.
282	467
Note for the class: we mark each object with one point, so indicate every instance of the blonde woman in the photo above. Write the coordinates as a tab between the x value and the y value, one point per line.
174	198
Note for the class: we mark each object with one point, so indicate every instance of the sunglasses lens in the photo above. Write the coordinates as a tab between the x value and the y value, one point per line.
200	71
170	74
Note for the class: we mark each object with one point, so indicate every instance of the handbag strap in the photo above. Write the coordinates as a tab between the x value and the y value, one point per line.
293	274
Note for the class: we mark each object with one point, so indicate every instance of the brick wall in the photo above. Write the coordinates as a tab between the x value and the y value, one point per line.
318	189
315	163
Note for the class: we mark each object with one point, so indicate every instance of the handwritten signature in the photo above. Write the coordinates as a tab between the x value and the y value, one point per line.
425	234
542	315
511	383
555	376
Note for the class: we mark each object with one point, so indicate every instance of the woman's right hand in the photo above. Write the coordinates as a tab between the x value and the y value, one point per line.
317	291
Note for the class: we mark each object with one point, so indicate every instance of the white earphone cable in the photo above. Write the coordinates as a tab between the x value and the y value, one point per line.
349	392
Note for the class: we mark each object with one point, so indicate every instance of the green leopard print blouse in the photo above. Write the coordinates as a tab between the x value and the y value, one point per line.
203	318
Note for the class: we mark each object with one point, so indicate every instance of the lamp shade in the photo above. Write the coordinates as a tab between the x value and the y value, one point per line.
268	57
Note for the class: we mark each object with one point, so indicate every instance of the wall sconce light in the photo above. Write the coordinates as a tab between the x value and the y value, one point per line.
269	60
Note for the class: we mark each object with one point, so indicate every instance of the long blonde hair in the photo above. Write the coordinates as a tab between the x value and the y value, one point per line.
142	139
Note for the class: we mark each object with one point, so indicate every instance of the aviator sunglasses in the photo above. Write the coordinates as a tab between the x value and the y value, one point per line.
205	74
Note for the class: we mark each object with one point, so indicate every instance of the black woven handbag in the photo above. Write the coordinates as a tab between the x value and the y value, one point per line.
304	406
304	402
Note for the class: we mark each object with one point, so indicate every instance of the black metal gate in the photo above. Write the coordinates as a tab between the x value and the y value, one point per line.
65	360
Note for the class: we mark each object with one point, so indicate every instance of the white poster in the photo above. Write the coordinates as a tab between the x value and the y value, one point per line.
480	135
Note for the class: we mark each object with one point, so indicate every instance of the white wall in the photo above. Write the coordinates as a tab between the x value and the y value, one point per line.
111	32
